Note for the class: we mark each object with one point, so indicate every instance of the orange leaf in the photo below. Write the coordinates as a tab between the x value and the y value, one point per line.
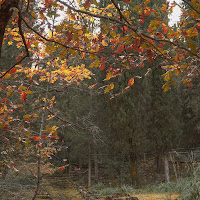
131	81
23	96
165	28
36	138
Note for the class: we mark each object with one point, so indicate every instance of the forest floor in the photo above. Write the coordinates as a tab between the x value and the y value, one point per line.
61	188
58	188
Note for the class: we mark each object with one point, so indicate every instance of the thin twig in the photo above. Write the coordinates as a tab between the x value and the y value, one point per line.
191	6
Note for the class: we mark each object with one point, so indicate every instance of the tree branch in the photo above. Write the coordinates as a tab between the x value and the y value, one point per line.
191	6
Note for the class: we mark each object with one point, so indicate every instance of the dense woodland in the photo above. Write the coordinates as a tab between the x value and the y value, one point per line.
103	92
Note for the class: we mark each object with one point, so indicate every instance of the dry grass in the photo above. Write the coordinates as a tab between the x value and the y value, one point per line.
157	196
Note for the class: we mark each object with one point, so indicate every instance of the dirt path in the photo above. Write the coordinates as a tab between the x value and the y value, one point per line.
58	188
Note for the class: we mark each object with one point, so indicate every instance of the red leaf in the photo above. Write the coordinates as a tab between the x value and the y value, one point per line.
4	99
129	47
127	1
23	96
100	37
102	66
120	48
44	137
114	27
18	59
141	65
28	44
150	55
131	81
141	21
87	4
12	71
61	168
36	138
39	145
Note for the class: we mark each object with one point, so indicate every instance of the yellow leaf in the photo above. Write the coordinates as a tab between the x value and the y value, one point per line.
29	92
113	34
111	86
176	72
10	42
26	116
108	88
10	92
21	87
108	76
166	87
173	82
167	76
96	63
104	43
19	105
7	76
33	15
35	115
27	142
127	14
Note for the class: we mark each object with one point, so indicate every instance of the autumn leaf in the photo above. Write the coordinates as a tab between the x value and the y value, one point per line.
131	81
87	3
61	168
165	28
166	87
150	55
36	138
39	145
127	1
44	137
12	71
27	142
102	66
23	96
120	49
28	43
26	116
108	88
7	76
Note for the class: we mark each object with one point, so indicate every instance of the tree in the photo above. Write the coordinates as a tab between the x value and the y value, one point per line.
57	53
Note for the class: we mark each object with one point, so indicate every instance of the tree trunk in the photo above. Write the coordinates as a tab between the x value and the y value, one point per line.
159	161
96	166
166	164
134	170
89	165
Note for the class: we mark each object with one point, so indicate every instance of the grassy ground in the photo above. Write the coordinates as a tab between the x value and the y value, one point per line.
58	188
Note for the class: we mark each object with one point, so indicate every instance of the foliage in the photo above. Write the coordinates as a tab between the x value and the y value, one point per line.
127	43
